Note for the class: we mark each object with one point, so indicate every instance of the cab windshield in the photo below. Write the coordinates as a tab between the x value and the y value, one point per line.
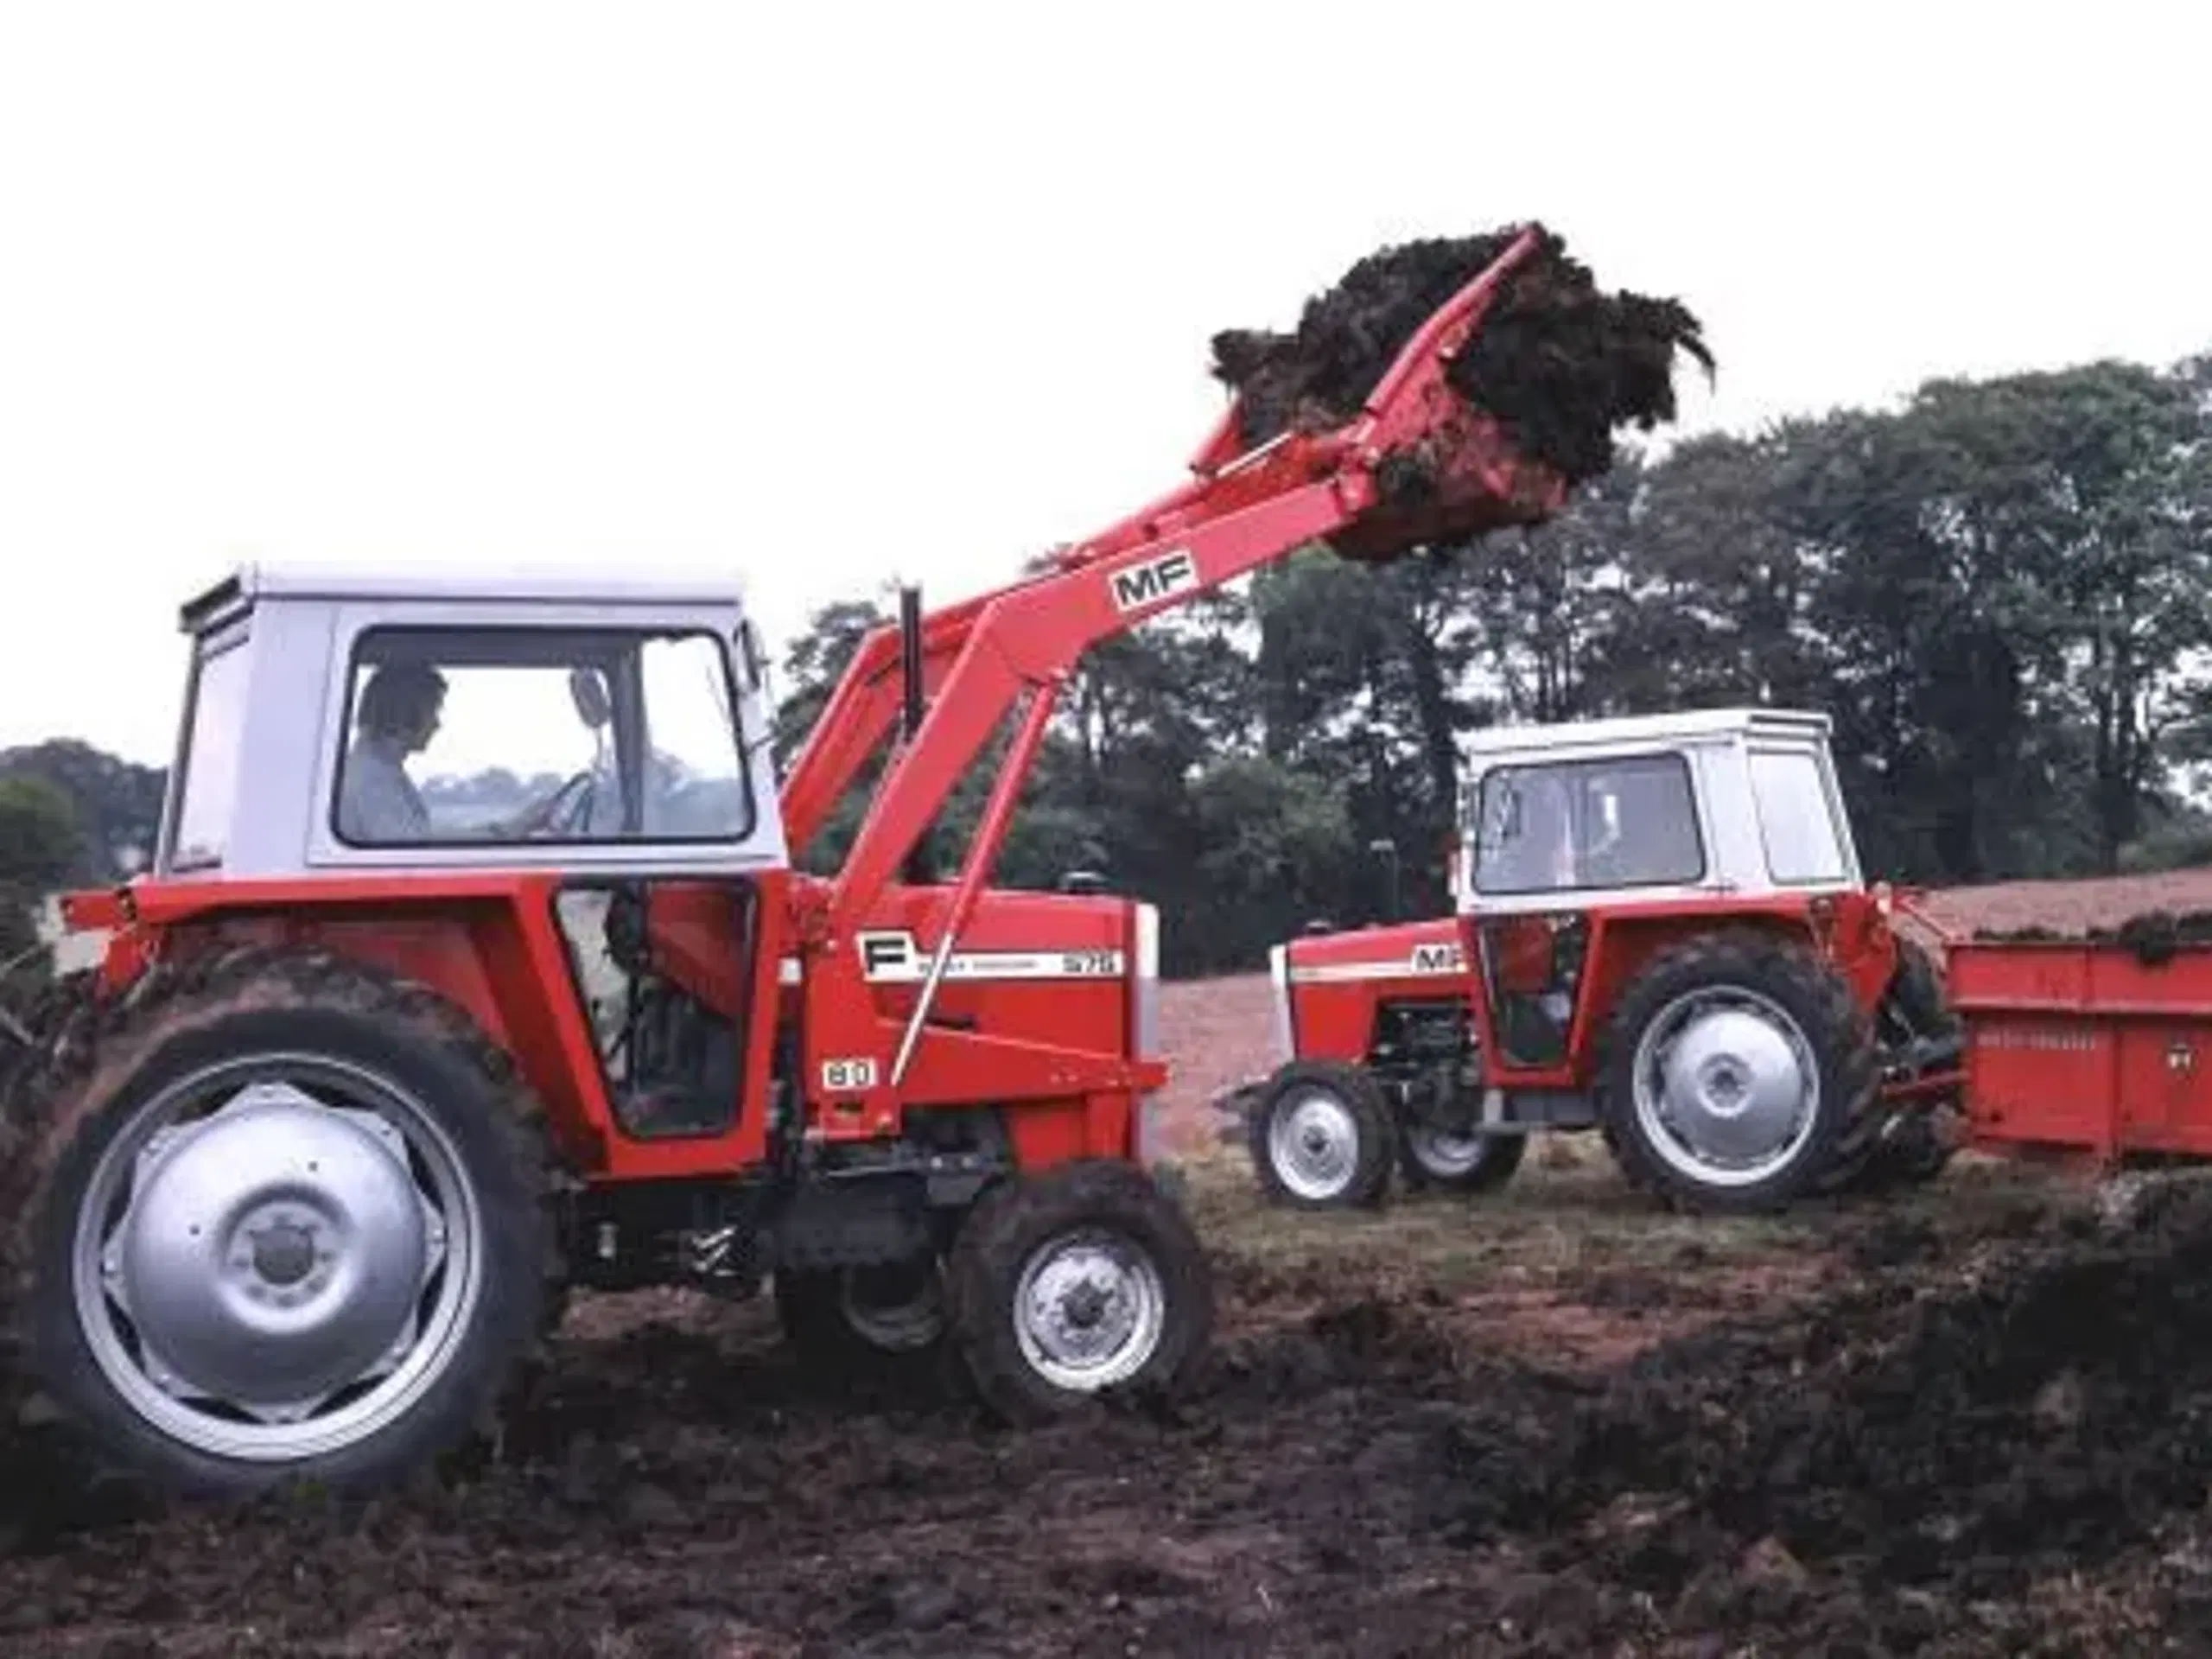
1572	825
209	764
477	735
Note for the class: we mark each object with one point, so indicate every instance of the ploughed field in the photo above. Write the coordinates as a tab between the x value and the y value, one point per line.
1976	1419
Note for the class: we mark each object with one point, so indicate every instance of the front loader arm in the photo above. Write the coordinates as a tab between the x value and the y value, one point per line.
1351	487
1029	638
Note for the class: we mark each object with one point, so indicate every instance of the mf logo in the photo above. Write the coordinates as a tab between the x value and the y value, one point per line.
1437	959
1155	579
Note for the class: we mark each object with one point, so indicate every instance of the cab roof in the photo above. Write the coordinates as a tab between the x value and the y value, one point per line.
1798	725
250	584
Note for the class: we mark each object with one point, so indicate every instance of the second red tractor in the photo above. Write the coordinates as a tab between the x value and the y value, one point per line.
1662	936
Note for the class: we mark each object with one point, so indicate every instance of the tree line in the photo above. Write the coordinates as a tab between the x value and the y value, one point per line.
2000	591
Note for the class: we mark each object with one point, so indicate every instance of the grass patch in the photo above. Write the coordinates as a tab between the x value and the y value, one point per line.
1568	1215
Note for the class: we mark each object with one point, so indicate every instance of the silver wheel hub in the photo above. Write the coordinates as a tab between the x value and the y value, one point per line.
272	1278
1089	1310
1727	1087
271	1254
1313	1142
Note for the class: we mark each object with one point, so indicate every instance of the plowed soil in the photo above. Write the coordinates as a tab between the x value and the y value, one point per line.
1976	1419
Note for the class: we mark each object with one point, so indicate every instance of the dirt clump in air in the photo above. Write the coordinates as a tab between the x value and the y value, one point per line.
1561	364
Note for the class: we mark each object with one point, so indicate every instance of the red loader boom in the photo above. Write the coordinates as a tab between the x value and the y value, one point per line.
1417	464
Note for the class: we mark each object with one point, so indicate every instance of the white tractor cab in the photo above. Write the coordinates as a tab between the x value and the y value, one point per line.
1656	809
1663	933
336	724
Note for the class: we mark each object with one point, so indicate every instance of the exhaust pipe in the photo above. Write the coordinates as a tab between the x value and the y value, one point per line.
909	660
920	869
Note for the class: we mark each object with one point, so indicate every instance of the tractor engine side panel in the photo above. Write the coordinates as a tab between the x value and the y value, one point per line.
1336	982
1047	966
1042	1013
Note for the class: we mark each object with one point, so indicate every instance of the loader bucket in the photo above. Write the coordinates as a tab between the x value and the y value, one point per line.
1459	478
1442	471
1460	432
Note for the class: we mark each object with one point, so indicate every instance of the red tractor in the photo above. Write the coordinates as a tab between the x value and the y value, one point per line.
370	1072
1664	936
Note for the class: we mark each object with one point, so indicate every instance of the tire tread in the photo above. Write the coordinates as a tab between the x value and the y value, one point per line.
56	1093
1843	1035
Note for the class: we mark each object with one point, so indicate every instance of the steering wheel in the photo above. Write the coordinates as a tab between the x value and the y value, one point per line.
562	814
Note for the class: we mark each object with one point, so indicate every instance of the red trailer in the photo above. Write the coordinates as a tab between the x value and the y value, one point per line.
2101	1045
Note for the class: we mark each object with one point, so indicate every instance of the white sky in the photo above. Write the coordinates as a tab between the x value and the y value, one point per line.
827	296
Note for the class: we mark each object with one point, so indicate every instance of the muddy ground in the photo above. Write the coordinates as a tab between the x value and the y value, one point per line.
1978	1420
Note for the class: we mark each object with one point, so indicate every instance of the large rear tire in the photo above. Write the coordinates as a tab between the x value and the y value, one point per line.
1736	1071
1323	1137
1914	1004
1064	1284
280	1218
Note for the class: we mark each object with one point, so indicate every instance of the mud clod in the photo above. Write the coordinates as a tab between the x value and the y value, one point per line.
1560	363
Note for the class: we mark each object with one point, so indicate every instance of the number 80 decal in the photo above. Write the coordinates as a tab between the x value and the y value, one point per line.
844	1075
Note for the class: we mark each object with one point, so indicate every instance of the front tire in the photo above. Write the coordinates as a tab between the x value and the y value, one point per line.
1064	1284
1323	1137
851	1321
283	1218
1733	1070
1468	1164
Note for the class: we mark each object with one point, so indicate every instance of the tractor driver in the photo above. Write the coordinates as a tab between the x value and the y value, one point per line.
1551	833
1534	848
378	801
